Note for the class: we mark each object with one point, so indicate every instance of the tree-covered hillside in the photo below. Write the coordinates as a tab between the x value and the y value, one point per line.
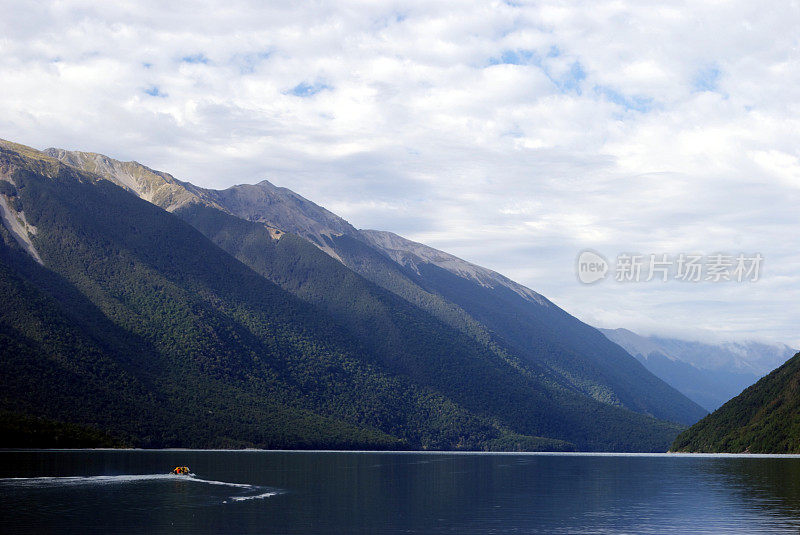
765	418
410	342
138	326
510	321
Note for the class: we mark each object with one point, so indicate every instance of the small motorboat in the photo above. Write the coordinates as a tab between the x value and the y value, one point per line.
180	471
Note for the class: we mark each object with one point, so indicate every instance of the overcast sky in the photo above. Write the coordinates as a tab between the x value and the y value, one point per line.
513	134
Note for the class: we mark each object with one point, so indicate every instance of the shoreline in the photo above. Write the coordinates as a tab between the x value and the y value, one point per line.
422	452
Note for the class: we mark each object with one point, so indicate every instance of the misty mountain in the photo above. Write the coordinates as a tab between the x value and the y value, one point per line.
745	356
709	374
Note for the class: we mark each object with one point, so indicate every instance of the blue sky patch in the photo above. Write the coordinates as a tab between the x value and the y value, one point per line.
571	82
706	79
304	89
154	91
248	62
629	102
195	58
567	83
515	57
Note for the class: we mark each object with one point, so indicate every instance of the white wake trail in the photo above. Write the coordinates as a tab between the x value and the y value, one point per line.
66	481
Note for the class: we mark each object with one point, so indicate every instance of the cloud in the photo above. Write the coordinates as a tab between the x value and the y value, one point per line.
512	134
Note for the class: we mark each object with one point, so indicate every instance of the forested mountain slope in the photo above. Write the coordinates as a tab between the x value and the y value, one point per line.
508	319
765	418
127	320
539	331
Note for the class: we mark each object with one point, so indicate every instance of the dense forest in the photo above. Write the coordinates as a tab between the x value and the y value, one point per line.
519	326
137	329
405	337
765	418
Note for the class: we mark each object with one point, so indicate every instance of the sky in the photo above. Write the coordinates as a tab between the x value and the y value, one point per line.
512	134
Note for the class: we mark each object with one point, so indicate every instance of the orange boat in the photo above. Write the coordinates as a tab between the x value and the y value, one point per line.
180	471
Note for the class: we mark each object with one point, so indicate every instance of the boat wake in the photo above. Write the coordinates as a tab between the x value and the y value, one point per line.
249	492
254	497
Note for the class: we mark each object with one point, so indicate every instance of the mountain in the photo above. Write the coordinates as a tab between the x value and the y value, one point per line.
228	330
709	374
277	208
532	327
747	356
508	319
136	324
765	418
114	308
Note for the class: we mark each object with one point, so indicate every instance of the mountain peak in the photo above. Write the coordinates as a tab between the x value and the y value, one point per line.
157	187
636	345
284	209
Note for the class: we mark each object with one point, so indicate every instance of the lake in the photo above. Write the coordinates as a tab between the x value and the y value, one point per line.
130	491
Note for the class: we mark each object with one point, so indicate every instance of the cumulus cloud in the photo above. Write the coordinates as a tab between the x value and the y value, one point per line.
511	134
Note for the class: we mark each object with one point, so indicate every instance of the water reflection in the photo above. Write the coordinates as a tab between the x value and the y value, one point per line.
402	493
769	484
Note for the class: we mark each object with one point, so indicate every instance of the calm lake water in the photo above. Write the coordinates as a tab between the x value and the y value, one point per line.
322	492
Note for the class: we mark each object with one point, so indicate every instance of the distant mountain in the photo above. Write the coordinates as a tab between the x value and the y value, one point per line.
747	356
280	325
709	374
765	418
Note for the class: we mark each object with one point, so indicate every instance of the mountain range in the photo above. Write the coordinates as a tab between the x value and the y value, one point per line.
142	310
708	373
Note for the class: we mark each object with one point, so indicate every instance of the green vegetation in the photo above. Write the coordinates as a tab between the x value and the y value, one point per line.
406	341
534	337
144	328
580	355
20	431
7	189
765	418
140	326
